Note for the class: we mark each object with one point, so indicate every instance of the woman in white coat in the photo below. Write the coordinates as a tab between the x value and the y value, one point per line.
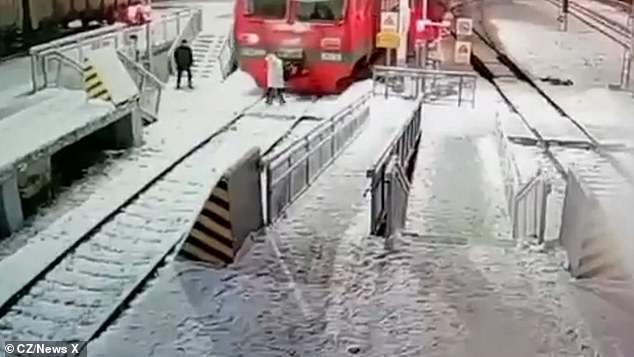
274	78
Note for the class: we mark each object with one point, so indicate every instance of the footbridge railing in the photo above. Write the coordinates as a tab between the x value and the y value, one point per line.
69	74
227	56
389	179
135	41
290	172
150	88
433	84
529	208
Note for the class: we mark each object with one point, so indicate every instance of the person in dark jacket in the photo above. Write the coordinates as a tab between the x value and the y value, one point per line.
184	60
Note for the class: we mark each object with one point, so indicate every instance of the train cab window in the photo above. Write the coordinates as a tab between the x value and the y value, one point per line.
272	9
320	10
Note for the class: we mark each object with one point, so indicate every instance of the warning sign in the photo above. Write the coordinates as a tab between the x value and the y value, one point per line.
464	27
389	21
462	52
388	39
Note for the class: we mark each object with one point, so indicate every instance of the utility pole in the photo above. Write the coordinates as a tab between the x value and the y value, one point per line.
630	53
148	39
563	18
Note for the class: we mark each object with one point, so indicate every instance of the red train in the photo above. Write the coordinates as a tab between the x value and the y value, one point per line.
327	42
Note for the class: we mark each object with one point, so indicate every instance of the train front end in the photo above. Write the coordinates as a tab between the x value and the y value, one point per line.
309	35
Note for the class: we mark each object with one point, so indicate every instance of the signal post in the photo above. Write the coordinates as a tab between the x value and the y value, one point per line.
462	48
389	37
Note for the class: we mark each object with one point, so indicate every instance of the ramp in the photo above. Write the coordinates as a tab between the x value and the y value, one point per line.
106	78
232	210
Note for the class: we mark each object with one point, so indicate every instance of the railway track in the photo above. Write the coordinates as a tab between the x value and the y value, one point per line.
559	131
88	285
611	28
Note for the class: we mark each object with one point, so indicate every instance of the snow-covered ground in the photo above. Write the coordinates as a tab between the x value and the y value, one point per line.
315	284
278	297
528	32
458	189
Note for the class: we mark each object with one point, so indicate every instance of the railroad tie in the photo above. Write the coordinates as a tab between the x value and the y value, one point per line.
94	85
211	239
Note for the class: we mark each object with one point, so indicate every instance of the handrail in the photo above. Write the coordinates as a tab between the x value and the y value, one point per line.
56	44
529	184
141	70
76	65
386	154
422	71
326	124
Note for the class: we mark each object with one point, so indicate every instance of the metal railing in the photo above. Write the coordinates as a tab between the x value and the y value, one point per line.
188	31
529	208
433	84
227	56
397	196
131	40
150	88
290	172
403	147
510	171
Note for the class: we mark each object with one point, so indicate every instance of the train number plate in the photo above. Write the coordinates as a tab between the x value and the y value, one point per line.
329	56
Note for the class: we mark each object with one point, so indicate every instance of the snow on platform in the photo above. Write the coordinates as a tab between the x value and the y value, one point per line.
15	76
275	300
183	124
529	34
458	189
61	118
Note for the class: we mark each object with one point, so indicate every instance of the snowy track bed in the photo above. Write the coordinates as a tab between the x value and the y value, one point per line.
82	284
79	295
549	124
278	298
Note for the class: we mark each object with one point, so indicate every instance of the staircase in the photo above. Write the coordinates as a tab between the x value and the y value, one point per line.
206	48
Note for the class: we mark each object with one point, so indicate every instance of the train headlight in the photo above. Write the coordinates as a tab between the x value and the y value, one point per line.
331	43
249	38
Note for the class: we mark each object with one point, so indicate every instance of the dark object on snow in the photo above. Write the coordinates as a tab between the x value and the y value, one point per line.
184	60
557	81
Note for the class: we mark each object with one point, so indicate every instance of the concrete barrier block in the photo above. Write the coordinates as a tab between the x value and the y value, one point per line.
11	215
231	212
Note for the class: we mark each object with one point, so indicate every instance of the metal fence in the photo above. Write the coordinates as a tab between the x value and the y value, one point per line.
133	41
397	196
510	171
149	86
529	208
403	147
293	170
433	84
227	56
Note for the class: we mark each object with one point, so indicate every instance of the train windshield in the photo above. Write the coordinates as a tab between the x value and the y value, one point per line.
320	10
272	9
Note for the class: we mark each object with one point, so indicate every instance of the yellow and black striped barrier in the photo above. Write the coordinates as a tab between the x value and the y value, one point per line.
94	85
231	212
211	239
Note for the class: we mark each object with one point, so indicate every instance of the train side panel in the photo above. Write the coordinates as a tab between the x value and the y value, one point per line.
10	13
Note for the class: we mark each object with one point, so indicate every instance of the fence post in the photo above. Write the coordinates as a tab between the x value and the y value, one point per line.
307	146
460	91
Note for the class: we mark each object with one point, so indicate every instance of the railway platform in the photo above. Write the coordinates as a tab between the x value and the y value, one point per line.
286	274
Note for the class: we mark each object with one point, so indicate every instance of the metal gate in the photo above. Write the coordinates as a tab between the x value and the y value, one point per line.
291	172
398	155
529	208
397	197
